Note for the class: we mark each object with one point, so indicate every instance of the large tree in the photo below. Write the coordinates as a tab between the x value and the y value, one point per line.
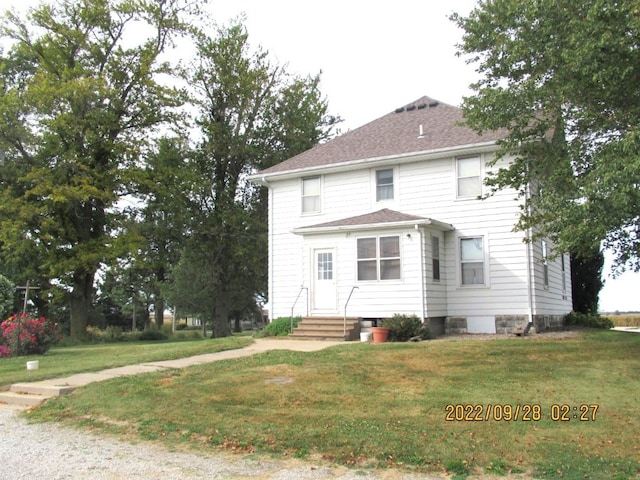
562	78
79	98
250	115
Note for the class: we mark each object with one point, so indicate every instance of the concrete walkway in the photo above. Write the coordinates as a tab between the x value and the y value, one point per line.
25	395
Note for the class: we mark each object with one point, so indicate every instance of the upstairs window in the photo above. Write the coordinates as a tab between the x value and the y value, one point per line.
472	261
379	258
311	195
384	184
468	177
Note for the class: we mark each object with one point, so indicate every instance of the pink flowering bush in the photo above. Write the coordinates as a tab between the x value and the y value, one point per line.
4	351
26	335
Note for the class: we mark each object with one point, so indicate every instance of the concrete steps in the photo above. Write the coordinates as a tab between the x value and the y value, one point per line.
327	328
31	394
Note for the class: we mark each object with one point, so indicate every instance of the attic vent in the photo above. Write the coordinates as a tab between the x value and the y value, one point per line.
421	106
400	110
411	108
433	103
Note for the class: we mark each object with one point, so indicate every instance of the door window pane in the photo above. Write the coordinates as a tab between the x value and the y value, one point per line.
325	266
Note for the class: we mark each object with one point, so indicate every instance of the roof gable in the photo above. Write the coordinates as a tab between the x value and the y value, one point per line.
420	126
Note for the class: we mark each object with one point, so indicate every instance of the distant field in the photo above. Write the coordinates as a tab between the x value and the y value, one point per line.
625	320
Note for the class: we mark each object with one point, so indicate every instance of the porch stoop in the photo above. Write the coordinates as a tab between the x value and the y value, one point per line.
327	328
31	394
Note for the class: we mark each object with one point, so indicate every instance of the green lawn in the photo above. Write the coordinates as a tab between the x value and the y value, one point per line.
64	361
386	405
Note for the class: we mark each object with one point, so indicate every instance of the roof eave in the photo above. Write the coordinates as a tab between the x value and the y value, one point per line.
375	226
265	178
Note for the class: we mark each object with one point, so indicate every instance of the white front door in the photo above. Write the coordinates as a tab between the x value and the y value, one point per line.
324	280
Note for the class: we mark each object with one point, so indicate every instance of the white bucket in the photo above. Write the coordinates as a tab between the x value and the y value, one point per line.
365	336
33	365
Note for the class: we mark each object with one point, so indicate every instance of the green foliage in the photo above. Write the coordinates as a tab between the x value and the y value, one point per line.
7	296
458	468
589	319
586	281
25	335
556	77
279	327
403	327
151	335
80	98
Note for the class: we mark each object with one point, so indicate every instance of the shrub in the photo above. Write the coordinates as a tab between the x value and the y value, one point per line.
4	351
22	334
279	327
404	327
591	320
151	335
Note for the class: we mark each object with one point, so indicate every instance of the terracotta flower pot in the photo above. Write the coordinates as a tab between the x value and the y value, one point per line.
380	334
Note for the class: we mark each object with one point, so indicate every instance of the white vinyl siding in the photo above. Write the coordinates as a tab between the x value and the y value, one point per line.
468	177
427	191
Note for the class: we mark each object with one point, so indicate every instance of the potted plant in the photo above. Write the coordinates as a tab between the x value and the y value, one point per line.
380	333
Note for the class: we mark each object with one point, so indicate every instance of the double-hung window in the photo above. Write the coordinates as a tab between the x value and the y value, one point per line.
311	195
468	178
384	184
435	257
472	261
378	258
545	265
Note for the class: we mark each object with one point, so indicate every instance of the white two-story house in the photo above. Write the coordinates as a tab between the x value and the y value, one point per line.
389	218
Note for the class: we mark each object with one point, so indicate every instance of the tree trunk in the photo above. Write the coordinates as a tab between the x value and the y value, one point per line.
80	302
159	311
221	318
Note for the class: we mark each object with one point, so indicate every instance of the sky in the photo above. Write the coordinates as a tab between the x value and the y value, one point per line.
373	58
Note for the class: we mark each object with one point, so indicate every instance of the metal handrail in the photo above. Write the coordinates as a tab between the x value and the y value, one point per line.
294	304
345	310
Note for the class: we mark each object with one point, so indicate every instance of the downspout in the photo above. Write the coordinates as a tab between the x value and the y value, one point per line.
530	269
423	281
270	247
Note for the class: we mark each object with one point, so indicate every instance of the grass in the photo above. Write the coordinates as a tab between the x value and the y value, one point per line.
384	405
64	361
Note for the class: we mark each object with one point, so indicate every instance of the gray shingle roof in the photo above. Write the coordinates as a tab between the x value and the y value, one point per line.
380	218
396	133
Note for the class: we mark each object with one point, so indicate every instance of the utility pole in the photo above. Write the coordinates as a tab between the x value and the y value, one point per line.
26	289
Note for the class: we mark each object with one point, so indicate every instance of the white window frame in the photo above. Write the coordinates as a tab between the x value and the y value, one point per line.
485	261
545	265
457	161
393	184
379	259
435	259
303	196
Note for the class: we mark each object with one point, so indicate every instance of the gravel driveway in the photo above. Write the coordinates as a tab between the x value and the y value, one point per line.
54	452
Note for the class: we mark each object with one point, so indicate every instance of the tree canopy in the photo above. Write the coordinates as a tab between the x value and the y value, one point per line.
561	78
80	94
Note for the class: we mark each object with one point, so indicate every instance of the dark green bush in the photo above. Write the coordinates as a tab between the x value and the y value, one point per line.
404	327
151	335
591	320
279	327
